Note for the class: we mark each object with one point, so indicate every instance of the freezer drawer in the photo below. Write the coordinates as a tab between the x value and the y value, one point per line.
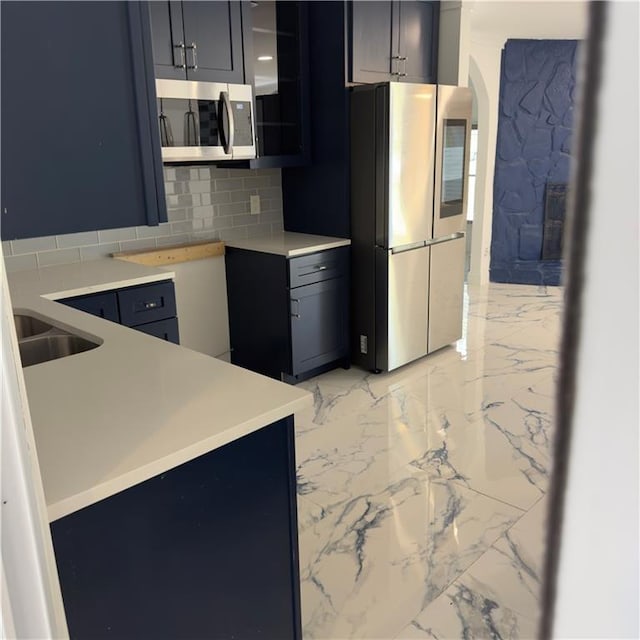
446	293
404	318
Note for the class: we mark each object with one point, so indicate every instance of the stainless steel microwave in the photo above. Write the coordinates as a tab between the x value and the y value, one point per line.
202	121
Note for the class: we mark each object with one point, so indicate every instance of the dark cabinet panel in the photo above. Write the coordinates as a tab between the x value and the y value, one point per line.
418	41
169	54
394	41
148	308
258	311
139	305
200	41
206	550
280	327
319	330
103	305
372	39
276	60
316	197
163	329
79	136
213	41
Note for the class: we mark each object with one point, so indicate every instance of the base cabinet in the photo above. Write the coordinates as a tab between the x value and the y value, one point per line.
206	550
149	308
288	318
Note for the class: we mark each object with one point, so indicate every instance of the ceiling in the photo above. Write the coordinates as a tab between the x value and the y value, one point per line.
537	19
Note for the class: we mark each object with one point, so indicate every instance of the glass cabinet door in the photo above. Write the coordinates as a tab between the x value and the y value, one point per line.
279	81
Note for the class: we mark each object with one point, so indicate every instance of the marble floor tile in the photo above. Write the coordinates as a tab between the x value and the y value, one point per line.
421	491
361	453
369	564
479	457
499	595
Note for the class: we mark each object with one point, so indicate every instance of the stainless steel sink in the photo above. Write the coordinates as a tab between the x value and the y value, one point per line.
51	347
27	326
40	341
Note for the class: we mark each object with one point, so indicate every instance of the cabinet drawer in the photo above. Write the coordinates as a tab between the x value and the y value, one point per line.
316	267
103	305
163	329
140	305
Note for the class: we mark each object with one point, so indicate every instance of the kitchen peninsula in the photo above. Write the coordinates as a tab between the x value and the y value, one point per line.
169	476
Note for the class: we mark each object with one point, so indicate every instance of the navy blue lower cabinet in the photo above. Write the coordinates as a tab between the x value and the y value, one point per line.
319	321
163	329
288	318
206	550
149	308
104	305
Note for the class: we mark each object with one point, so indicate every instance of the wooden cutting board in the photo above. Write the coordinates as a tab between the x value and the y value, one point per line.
163	256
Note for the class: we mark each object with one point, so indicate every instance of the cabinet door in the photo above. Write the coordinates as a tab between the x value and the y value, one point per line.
163	329
418	40
319	319
213	40
373	33
104	305
167	32
80	147
281	67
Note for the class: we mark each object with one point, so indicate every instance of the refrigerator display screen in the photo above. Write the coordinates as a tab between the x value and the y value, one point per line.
452	188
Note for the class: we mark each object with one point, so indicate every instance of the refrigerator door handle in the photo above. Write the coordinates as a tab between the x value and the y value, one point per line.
408	247
451	236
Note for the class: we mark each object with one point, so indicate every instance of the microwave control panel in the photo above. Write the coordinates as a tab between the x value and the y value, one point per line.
242	121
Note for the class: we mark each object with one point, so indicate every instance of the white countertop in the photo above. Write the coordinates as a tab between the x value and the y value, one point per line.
135	406
288	244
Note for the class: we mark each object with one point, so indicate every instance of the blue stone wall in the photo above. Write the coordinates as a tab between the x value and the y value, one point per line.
537	97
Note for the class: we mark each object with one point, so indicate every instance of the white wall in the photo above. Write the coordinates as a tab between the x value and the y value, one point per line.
453	43
598	595
484	71
201	300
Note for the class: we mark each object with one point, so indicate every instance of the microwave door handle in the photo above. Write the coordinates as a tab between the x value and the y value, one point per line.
228	149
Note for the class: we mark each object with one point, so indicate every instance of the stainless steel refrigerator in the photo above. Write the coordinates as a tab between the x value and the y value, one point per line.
409	181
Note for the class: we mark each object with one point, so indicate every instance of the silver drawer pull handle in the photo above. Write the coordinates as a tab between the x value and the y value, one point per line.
150	305
321	268
296	315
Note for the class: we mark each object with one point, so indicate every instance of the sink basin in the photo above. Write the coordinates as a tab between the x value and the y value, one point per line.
27	326
51	347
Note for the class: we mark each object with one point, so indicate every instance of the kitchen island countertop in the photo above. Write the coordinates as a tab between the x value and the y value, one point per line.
136	406
288	243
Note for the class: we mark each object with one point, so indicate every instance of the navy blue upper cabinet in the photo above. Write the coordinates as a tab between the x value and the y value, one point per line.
372	25
198	40
394	41
80	146
280	64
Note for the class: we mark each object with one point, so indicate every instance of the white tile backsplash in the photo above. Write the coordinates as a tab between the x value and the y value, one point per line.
204	203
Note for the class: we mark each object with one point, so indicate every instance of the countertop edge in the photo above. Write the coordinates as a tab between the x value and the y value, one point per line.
277	244
108	286
127	480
